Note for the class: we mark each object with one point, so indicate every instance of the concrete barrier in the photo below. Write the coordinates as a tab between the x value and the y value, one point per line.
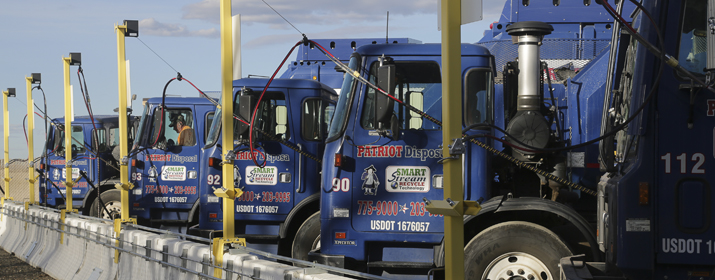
198	259
132	266
70	255
14	227
50	240
87	252
233	263
268	270
32	235
97	262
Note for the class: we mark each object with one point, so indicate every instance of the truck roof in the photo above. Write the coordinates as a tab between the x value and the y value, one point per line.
180	100
86	119
342	48
419	49
282	83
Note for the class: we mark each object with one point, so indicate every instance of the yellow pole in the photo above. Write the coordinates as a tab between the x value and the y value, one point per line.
227	116
227	131
124	185
69	181
228	192
6	137
123	134
451	98
30	140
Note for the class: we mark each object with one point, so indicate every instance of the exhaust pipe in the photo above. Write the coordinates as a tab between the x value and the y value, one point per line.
528	125
529	34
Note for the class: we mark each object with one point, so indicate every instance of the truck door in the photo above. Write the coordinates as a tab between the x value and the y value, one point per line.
82	161
684	230
170	160
268	189
393	174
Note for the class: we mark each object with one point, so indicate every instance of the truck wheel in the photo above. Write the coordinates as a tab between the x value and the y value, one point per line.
514	249
112	201
307	238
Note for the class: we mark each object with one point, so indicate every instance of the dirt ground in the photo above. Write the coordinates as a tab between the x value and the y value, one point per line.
12	268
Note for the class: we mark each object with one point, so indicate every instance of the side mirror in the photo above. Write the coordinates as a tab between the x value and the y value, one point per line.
384	105
246	104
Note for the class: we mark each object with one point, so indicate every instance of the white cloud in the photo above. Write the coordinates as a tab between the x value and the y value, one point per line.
152	27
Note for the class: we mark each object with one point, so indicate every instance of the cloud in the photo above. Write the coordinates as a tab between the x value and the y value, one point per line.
152	27
309	12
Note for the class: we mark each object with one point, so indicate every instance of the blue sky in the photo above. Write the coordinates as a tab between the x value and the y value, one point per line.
36	34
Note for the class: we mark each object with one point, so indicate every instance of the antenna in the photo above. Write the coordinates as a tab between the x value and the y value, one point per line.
387	28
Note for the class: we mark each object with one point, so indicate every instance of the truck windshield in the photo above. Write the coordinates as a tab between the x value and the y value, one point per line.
337	125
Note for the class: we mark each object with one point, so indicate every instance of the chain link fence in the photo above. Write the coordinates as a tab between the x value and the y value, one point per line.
19	187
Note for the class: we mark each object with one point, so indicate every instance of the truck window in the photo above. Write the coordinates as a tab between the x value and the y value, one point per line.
207	124
419	83
316	117
272	116
478	96
692	52
101	139
77	140
173	127
140	129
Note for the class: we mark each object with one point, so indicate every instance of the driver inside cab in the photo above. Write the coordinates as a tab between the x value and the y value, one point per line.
187	136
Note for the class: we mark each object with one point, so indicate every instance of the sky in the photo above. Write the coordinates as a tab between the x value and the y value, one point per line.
179	35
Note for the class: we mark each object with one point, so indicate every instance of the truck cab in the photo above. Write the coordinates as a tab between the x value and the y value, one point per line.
165	161
655	200
92	147
382	165
373	198
281	194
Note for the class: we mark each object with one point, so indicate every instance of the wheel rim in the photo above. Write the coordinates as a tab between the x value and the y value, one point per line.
113	207
517	265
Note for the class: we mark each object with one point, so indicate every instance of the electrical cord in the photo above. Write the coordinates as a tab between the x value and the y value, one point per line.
253	116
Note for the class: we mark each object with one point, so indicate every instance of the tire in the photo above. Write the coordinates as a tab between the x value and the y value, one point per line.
307	238
112	201
516	248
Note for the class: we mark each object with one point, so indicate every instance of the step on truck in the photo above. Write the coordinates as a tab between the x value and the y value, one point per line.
655	213
382	160
94	166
